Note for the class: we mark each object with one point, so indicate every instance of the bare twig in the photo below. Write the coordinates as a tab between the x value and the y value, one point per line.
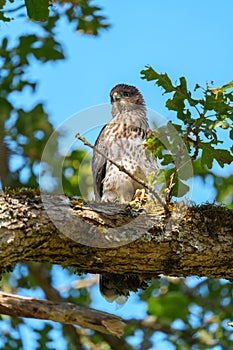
13	10
170	187
122	168
68	313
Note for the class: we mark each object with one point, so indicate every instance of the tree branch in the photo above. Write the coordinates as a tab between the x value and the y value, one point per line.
13	9
67	313
43	279
116	239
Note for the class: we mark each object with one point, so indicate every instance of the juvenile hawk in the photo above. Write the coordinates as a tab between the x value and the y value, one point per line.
121	141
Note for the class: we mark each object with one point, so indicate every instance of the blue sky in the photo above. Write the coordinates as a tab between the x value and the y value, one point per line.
174	37
180	38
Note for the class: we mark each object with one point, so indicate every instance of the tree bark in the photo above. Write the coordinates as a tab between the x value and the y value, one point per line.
109	238
66	313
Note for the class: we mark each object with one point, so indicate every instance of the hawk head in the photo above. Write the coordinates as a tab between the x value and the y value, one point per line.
123	94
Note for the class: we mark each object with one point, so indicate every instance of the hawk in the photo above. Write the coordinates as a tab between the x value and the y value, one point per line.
121	141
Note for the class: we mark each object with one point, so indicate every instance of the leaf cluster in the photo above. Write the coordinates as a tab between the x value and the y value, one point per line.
24	132
190	313
203	120
184	313
87	17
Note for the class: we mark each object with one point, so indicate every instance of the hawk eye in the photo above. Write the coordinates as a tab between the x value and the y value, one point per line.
126	94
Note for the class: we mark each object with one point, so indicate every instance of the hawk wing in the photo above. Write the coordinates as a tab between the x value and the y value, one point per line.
99	164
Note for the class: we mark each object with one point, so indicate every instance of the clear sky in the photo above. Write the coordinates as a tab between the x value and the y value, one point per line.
194	39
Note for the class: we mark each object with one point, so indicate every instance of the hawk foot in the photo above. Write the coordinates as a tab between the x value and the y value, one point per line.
140	198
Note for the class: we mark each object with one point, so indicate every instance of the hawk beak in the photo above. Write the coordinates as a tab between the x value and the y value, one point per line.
116	96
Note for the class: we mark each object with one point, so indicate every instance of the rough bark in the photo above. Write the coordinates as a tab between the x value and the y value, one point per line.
66	313
4	161
117	239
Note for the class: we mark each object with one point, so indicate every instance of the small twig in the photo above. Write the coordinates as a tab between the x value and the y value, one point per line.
191	140
13	10
122	168
170	187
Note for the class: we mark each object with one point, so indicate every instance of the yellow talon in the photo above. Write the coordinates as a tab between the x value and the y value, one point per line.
140	197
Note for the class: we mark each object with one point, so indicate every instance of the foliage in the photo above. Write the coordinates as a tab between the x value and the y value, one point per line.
199	119
25	132
76	174
87	17
188	314
191	314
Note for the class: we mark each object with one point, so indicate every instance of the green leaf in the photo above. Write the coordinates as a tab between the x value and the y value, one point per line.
197	86
49	50
2	4
181	93
224	187
179	188
163	177
88	18
226	86
2	14
167	159
161	79
169	307
221	123
177	104
231	133
223	157
5	110
155	145
199	169
25	45
37	10
77	162
209	154
216	101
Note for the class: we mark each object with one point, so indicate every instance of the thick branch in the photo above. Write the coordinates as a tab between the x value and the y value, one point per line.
193	241
67	313
43	279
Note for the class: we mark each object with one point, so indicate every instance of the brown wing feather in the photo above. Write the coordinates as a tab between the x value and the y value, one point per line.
99	164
